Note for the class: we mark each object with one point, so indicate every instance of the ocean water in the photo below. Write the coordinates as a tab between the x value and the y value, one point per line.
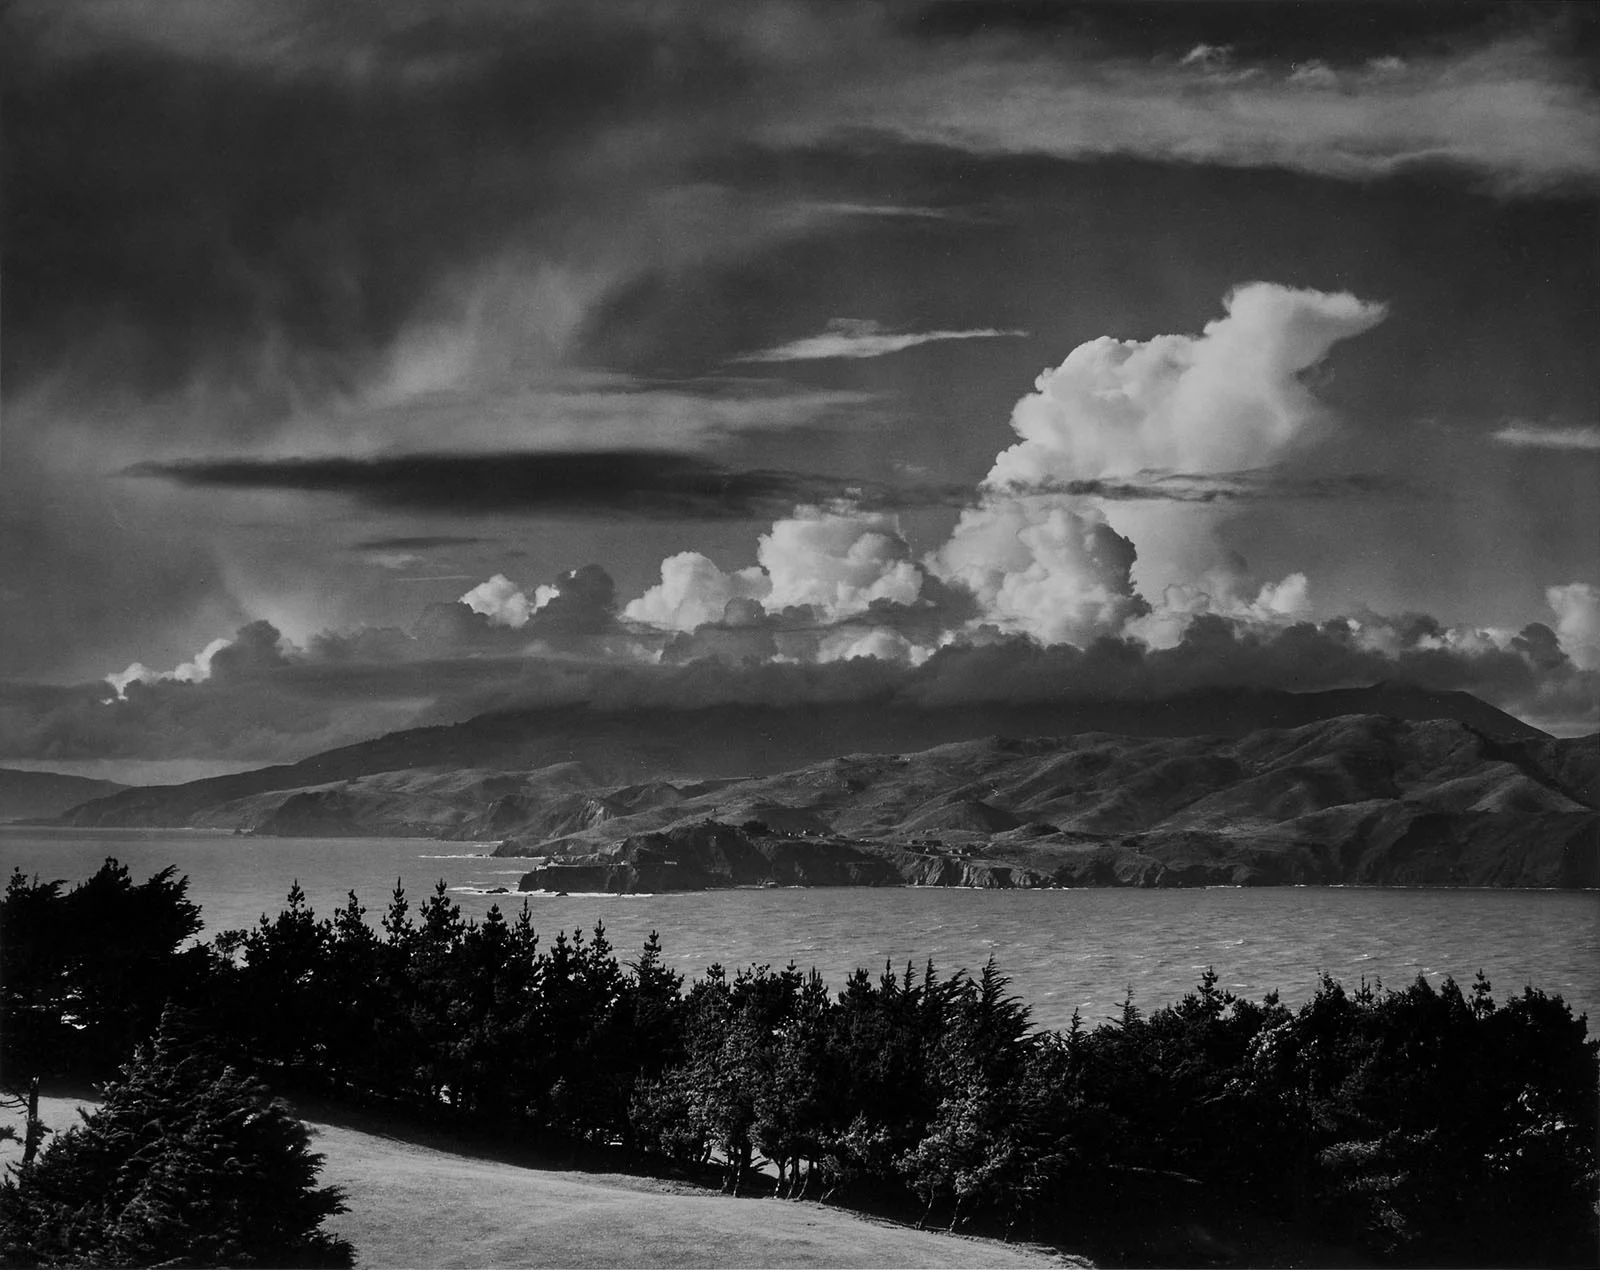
1064	950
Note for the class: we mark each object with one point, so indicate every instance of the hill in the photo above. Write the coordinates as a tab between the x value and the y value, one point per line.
1353	799
420	1199
1361	799
44	795
643	745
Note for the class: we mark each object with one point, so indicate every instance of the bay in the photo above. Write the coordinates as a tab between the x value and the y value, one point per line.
1063	949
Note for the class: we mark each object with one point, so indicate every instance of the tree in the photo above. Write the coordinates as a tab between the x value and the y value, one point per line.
186	1162
970	1151
84	975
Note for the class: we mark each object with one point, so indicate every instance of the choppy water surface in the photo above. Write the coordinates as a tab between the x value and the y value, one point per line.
1063	949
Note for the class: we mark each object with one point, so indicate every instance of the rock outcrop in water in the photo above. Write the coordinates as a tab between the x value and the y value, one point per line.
711	855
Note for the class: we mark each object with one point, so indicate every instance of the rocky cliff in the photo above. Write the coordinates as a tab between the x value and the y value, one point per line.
711	855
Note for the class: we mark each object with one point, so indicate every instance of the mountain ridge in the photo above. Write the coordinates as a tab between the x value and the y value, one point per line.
739	740
1348	798
30	795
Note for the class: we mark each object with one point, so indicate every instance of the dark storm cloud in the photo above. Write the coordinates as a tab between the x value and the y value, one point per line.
645	484
176	199
290	706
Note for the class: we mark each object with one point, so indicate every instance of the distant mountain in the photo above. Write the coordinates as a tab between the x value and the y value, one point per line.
43	795
1360	798
647	744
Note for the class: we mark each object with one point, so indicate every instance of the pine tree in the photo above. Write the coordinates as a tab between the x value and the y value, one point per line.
186	1162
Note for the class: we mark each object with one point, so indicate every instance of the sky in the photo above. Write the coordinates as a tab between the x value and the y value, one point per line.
377	364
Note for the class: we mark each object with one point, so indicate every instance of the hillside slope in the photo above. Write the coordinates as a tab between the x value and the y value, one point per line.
420	1199
41	795
1358	799
644	745
1362	799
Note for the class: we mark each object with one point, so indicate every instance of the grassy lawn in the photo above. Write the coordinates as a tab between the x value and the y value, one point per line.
416	1201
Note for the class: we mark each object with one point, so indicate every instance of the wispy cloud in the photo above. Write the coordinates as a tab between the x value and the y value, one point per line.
855	338
887	211
1510	111
1537	436
1226	487
420	542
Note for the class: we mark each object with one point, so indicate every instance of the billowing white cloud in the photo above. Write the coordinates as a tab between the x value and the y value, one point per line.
837	560
500	600
1048	566
877	642
855	337
1577	610
693	591
1229	399
1226	593
1043	561
189	672
1544	437
1218	402
834	560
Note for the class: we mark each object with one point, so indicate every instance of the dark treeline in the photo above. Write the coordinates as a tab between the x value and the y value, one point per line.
1425	1125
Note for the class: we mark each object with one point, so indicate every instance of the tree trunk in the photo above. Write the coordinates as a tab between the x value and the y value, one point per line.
33	1134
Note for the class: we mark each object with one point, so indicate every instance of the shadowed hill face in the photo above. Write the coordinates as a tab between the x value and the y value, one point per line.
1357	798
37	795
647	744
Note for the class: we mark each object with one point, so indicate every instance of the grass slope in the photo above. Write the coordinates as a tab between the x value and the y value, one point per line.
415	1201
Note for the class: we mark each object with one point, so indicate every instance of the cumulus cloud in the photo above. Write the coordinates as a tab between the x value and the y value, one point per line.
499	600
1176	420
1228	399
196	671
833	562
254	648
1046	566
1052	565
274	702
855	338
1033	595
1225	591
1577	610
837	560
580	602
877	643
1543	437
693	592
1181	412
